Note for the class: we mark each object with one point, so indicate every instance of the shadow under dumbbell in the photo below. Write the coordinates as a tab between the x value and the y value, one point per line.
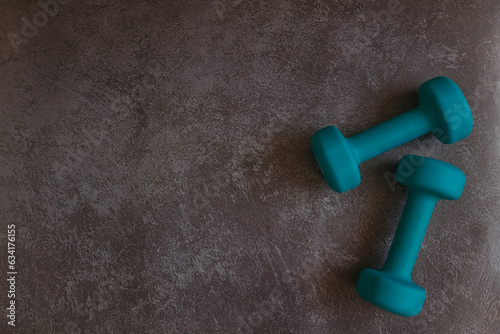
290	151
381	206
296	167
293	163
378	224
373	232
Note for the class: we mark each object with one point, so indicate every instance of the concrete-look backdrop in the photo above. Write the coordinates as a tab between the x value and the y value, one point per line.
156	164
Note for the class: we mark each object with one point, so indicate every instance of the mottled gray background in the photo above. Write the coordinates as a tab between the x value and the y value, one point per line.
155	159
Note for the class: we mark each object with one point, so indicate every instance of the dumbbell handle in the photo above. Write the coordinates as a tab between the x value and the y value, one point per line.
390	134
410	233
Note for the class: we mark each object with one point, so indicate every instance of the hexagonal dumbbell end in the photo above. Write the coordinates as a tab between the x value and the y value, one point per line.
335	158
443	110
391	288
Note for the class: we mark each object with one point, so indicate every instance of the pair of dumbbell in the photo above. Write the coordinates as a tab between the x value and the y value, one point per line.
442	110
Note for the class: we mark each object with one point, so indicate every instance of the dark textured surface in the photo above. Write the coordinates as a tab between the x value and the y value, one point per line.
155	159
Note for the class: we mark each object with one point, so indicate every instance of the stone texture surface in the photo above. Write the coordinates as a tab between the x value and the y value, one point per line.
155	159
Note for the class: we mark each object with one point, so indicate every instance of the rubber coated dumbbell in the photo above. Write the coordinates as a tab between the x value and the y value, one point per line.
391	287
442	109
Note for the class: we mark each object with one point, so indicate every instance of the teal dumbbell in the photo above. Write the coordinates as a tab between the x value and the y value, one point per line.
391	288
442	109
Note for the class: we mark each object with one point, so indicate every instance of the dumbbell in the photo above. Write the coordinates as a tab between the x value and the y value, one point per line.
442	109
391	288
